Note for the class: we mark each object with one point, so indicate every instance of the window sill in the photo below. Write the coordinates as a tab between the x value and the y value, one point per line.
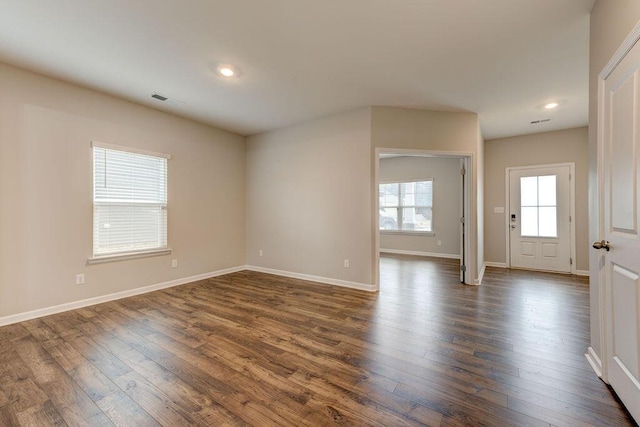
409	233
126	256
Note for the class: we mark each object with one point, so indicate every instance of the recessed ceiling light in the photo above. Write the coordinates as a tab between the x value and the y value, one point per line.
551	105
227	70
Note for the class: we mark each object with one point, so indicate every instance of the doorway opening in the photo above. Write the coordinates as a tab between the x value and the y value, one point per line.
421	201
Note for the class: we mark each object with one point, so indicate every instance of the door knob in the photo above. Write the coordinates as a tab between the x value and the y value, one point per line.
603	244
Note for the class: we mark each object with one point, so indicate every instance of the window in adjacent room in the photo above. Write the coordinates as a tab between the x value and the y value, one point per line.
407	206
129	202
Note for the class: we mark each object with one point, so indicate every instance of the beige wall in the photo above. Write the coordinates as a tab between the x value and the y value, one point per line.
536	149
310	187
611	22
309	198
46	128
447	200
400	128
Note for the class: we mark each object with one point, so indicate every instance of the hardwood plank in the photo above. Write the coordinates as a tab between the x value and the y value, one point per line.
152	400
124	411
44	414
67	397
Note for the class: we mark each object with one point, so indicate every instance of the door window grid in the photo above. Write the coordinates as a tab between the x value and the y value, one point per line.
538	206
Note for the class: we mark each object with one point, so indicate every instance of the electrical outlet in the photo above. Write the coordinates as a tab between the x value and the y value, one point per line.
261	252
80	279
439	242
174	263
346	263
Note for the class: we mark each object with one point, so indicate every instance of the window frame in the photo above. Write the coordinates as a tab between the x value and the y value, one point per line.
399	207
129	254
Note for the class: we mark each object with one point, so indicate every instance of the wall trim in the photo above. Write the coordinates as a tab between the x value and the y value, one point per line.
41	312
478	281
594	361
622	51
495	264
311	278
419	253
582	273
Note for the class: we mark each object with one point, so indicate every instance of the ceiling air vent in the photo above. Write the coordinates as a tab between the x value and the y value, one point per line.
535	122
159	97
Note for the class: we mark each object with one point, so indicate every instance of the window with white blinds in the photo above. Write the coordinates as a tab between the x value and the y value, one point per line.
129	201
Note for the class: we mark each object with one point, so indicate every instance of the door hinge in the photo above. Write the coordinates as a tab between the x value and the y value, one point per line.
463	268
570	261
463	171
570	218
462	220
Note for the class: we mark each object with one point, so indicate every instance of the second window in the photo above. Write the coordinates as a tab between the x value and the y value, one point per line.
407	206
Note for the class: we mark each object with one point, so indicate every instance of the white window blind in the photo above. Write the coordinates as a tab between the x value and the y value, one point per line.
129	201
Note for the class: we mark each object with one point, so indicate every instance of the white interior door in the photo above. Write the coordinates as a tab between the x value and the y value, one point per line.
619	123
540	218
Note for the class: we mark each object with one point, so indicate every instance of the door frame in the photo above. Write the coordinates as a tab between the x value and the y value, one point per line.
572	208
467	158
599	362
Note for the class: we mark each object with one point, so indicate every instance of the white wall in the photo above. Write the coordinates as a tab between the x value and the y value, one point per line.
535	149
447	201
309	198
611	22
46	128
403	128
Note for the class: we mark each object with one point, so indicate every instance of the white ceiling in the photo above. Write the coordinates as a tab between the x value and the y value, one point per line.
302	59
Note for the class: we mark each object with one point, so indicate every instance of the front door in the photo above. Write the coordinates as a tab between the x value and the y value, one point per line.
619	123
539	218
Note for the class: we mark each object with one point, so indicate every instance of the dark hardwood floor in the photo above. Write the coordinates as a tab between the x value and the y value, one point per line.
255	349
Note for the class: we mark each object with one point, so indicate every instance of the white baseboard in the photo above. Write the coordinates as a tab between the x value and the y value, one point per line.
594	361
21	317
582	273
495	264
478	281
319	279
418	253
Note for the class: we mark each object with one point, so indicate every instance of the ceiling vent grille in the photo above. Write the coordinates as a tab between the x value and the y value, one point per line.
535	122
159	97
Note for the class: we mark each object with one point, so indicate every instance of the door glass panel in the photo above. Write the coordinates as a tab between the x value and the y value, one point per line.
547	220
547	190
529	221
529	191
538	206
